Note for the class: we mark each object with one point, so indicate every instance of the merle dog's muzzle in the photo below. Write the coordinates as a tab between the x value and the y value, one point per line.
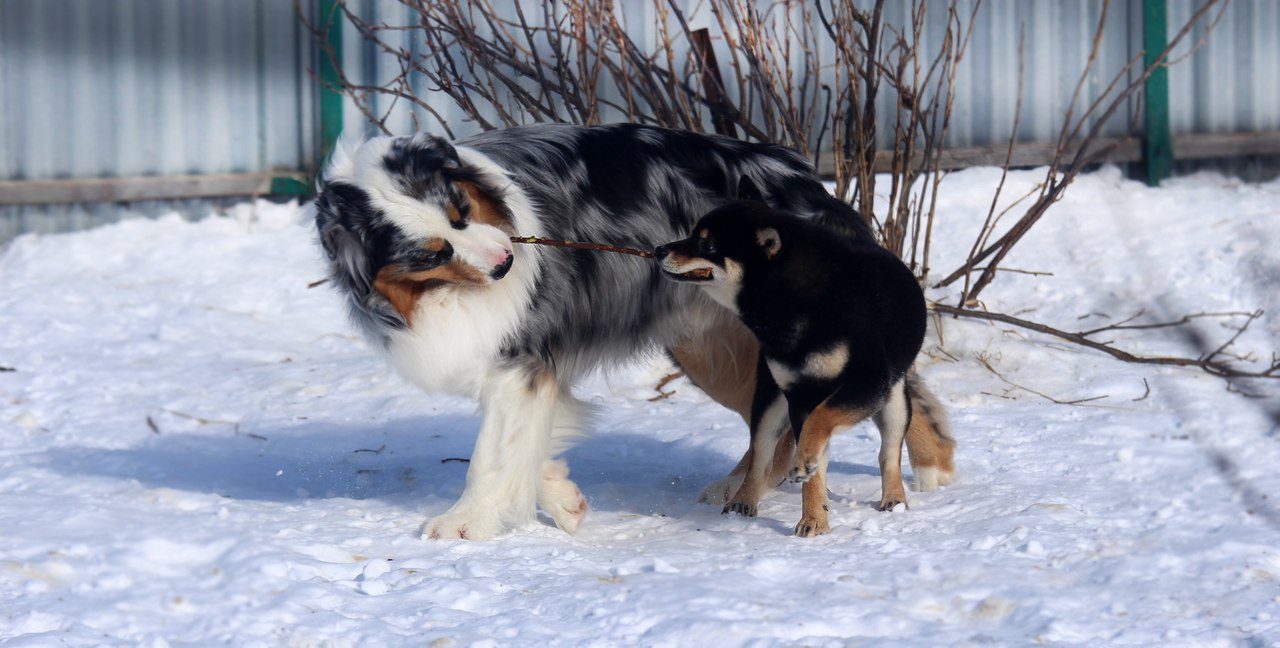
502	270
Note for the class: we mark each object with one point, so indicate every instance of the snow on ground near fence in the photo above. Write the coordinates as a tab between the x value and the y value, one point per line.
196	449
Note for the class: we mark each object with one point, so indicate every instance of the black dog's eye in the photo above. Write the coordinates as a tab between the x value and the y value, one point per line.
707	245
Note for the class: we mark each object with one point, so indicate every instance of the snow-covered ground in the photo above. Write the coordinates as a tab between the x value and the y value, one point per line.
195	449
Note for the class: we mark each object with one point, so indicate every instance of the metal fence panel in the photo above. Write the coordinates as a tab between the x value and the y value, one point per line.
97	89
1058	39
153	87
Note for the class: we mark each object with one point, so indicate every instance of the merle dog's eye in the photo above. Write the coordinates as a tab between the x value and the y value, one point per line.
430	259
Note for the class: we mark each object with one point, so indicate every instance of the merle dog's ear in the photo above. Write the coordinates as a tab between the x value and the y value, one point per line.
421	161
747	190
350	263
449	159
769	241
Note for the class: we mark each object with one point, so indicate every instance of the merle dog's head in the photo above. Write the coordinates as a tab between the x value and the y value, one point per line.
407	217
728	242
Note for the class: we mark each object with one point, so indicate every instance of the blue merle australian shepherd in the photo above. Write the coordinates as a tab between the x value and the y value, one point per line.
418	233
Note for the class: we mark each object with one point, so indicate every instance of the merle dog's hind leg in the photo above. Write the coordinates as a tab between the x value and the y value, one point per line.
722	360
721	490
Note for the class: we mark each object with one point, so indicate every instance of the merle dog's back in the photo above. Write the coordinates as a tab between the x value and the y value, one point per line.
638	186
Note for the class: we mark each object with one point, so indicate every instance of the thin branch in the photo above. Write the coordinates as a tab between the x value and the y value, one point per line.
598	247
1207	362
983	360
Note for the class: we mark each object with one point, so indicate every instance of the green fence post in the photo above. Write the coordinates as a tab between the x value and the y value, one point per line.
330	80
329	16
1157	143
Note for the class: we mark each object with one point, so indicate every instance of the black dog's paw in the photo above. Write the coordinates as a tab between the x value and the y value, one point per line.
801	474
809	527
741	508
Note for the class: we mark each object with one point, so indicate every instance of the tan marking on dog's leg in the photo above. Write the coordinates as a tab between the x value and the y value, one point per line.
892	419
814	518
930	446
816	434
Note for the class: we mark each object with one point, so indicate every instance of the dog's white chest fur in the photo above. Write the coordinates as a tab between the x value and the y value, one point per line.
457	335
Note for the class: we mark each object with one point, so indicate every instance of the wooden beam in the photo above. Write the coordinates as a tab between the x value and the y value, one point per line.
1225	145
42	192
1025	154
1196	146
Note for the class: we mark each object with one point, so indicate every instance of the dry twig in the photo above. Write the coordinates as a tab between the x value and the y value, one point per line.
577	245
1211	362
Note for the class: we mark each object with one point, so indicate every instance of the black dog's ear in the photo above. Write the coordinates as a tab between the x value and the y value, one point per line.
769	241
747	190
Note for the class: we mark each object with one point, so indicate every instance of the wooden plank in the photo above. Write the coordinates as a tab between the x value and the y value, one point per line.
1194	146
1225	145
1025	154
39	192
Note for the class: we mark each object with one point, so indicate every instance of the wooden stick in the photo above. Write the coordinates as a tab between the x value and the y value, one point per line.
598	247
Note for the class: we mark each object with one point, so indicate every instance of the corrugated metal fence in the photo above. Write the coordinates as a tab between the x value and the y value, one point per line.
95	89
1058	38
161	88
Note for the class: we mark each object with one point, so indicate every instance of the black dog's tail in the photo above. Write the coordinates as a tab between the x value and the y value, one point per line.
930	445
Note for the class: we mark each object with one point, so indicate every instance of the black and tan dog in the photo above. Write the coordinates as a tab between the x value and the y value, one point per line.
839	323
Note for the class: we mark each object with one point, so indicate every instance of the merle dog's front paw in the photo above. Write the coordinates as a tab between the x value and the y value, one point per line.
463	524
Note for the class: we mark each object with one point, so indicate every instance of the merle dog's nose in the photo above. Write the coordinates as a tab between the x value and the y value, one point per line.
660	252
501	271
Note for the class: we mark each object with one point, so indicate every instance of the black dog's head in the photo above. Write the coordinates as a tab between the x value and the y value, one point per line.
727	243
